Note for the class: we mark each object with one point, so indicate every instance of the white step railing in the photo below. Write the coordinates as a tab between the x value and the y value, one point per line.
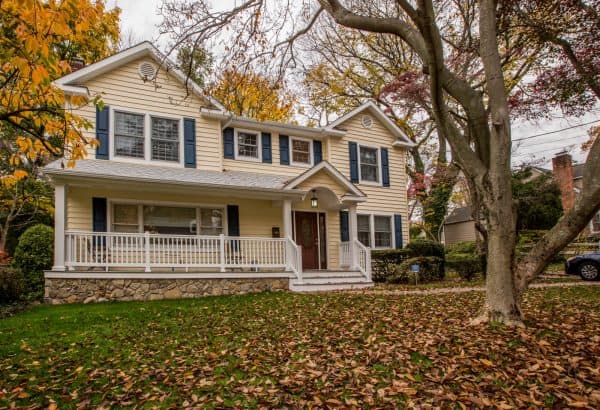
345	255
148	251
363	259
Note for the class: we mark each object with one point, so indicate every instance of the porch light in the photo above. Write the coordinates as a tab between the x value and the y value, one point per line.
314	202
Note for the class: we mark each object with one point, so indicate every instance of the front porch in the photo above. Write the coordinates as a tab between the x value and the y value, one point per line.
116	230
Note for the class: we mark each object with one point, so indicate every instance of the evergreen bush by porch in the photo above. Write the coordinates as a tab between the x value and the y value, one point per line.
384	263
33	255
431	269
423	247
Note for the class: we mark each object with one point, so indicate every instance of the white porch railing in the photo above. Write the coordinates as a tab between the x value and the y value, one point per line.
361	255
148	251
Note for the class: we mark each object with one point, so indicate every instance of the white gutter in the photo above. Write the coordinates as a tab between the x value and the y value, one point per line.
295	130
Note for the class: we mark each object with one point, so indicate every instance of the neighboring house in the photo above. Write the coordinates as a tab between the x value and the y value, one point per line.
459	225
182	198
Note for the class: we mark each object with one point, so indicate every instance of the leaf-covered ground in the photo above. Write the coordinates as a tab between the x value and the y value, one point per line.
290	350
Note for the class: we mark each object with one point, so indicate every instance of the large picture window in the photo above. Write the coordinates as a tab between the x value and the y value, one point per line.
165	139
247	145
169	220
129	134
369	166
301	152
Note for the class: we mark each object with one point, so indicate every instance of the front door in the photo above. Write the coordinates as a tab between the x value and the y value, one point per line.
307	236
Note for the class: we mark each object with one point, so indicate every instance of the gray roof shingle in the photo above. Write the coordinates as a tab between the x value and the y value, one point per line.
157	173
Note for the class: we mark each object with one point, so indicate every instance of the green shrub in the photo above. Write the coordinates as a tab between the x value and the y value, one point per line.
431	268
467	265
33	255
424	247
11	285
384	263
462	247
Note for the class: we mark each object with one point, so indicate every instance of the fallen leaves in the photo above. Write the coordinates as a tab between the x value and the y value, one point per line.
320	351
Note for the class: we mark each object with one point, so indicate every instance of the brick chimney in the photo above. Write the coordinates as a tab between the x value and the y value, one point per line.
77	63
562	169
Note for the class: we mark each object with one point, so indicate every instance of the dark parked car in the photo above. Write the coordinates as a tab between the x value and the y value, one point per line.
587	266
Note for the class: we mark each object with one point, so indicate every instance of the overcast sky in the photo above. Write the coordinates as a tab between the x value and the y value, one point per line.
140	19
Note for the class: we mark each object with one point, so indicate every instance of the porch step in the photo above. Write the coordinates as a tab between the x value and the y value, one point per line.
327	281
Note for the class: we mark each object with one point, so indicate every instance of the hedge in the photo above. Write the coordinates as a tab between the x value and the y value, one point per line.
431	268
12	285
384	262
33	255
424	247
466	265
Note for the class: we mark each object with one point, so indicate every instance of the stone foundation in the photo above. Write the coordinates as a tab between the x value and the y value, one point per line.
61	290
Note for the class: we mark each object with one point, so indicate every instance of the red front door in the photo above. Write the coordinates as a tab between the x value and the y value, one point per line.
307	236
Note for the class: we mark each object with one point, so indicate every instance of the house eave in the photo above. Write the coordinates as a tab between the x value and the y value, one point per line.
230	120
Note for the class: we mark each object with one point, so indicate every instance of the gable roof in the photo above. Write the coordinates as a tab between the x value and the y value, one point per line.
332	171
71	83
463	214
402	139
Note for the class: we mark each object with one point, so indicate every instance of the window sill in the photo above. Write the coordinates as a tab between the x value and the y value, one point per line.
370	183
248	159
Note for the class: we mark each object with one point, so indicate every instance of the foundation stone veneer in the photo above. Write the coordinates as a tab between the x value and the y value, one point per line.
61	290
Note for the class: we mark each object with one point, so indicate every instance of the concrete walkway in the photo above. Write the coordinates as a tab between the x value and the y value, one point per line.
458	289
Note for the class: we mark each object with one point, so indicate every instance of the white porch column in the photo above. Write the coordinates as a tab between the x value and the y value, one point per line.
60	214
287	218
353	234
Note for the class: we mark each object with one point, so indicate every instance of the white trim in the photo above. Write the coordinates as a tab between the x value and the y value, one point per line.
377	183
332	171
311	158
238	157
142	49
402	138
147	137
167	274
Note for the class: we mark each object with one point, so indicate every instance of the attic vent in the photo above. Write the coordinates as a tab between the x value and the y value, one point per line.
367	121
147	71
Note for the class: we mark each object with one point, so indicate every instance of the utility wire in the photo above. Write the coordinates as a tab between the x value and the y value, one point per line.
555	131
551	141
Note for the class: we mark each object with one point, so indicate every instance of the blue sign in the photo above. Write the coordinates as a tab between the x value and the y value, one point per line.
415	268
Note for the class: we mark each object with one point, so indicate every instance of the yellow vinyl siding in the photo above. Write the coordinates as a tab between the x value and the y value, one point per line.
323	179
380	200
257	217
275	167
123	88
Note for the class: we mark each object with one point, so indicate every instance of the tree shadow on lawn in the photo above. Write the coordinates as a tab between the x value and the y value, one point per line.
291	350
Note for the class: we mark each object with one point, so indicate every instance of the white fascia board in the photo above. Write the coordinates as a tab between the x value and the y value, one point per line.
332	171
73	90
230	120
402	138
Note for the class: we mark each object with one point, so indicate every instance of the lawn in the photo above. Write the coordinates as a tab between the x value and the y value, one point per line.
291	350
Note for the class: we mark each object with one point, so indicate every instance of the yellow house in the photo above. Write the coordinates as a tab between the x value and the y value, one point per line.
182	198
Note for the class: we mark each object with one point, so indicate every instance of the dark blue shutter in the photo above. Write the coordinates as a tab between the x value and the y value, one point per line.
398	230
353	148
344	228
266	147
233	220
385	167
284	150
102	132
228	146
318	151
99	215
189	142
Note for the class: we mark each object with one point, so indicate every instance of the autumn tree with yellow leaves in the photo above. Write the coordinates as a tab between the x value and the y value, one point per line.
37	42
253	95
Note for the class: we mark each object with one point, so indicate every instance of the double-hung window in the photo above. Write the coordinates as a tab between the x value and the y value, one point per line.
165	139
129	135
146	137
170	220
595	224
301	152
247	145
375	230
369	164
